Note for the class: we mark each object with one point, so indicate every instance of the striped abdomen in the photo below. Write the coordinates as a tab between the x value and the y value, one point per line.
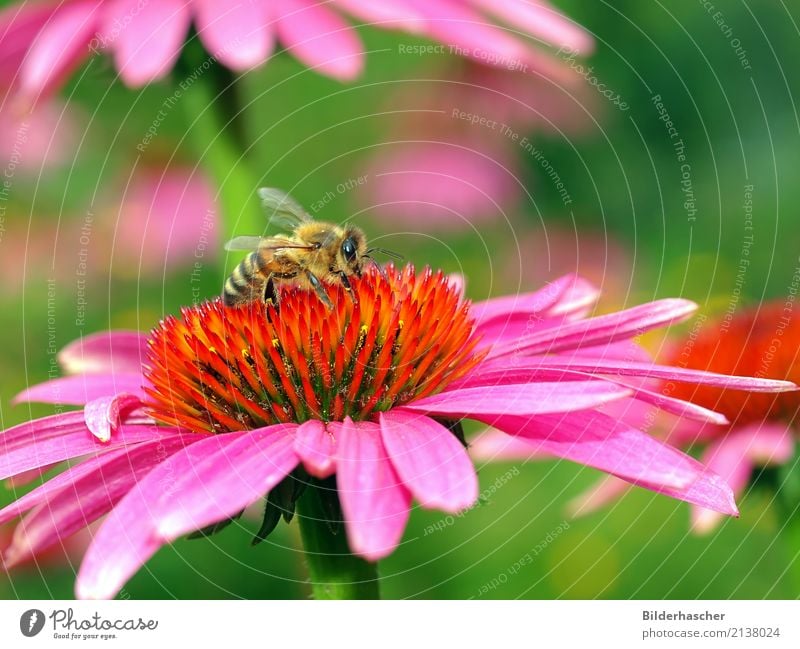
247	281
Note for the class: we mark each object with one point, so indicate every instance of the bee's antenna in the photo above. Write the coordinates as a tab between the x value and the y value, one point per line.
388	253
380	268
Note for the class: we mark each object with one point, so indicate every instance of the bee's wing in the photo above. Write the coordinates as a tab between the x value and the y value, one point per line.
282	209
244	243
252	243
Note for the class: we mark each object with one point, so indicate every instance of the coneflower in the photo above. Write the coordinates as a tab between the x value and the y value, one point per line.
343	414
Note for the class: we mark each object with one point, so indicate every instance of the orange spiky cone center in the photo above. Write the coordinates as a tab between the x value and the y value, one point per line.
762	342
398	337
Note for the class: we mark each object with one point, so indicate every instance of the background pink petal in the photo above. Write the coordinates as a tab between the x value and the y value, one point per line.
146	38
320	38
83	388
59	47
236	33
105	352
374	501
430	461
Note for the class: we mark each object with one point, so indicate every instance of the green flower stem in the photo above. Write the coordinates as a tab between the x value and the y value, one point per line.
216	132
335	572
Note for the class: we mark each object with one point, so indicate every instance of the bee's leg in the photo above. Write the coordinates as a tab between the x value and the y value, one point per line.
319	289
270	291
348	287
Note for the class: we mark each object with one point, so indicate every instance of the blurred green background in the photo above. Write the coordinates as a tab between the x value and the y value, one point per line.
739	126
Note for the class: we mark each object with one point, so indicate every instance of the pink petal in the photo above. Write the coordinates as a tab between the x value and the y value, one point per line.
59	47
596	440
549	300
20	25
543	21
103	415
430	461
390	15
314	445
467	33
595	498
601	329
109	352
79	496
735	455
236	33
83	388
665	372
494	445
146	37
54	439
520	399
209	481
374	501
320	38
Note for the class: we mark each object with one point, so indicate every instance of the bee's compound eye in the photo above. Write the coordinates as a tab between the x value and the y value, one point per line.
349	249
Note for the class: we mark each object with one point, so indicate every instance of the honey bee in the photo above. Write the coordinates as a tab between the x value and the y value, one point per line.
313	254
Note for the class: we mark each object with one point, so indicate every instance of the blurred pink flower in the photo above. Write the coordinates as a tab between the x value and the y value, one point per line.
42	43
31	141
166	218
444	185
456	139
163	458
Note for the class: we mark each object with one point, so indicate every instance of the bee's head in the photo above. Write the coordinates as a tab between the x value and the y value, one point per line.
350	256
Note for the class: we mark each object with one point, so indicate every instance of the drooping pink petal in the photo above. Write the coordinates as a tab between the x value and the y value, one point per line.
599	441
108	352
523	399
374	501
665	372
601	329
104	415
319	38
543	21
735	455
605	491
54	439
209	481
79	496
430	461
83	388
59	47
237	33
315	447
146	37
